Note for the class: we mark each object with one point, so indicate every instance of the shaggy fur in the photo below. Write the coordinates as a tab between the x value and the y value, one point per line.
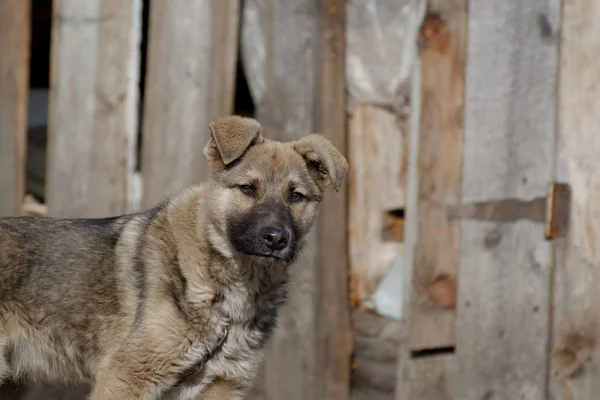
178	301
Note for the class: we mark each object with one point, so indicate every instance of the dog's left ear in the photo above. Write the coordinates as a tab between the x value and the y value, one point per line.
230	137
325	162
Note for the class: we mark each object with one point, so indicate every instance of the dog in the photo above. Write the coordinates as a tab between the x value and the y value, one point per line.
175	302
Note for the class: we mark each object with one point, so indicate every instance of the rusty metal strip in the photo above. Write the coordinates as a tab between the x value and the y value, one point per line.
552	210
558	210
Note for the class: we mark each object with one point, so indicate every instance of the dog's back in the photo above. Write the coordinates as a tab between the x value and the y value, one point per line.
60	293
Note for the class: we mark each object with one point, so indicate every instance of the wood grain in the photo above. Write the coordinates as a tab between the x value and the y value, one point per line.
376	341
192	50
433	377
428	378
225	33
92	118
14	87
376	184
292	369
335	339
443	38
505	267
577	272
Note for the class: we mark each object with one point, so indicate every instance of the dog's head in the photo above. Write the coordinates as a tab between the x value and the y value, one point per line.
264	195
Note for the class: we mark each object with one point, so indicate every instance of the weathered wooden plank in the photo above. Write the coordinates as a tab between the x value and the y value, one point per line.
225	33
15	35
505	267
577	271
292	369
376	341
376	183
176	100
433	377
428	378
192	53
92	120
335	340
443	50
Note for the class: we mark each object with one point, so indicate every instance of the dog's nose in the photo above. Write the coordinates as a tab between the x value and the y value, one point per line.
275	238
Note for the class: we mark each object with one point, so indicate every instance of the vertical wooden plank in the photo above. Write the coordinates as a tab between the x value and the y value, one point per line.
225	34
443	51
15	32
505	268
428	378
335	341
192	50
434	375
92	118
291	368
176	99
576	320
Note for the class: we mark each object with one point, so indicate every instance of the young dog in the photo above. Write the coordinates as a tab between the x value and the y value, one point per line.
175	302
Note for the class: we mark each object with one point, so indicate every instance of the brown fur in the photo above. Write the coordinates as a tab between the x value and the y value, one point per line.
175	302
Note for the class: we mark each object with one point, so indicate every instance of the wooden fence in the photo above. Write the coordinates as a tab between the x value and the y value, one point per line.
504	105
192	57
509	99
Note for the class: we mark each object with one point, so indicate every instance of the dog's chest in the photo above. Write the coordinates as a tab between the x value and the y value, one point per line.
239	354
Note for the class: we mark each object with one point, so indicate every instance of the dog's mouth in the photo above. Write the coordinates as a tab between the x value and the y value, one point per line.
262	254
273	256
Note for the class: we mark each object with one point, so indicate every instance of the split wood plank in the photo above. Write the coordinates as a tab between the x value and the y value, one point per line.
443	40
335	340
377	141
192	55
292	369
92	118
505	268
15	32
576	331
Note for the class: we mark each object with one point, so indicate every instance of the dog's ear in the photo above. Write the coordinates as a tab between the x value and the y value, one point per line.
325	162
230	137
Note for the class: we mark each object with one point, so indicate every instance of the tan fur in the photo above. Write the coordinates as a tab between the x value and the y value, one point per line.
175	302
231	136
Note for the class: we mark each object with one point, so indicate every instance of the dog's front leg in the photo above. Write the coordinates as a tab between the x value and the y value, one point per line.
114	387
221	389
140	379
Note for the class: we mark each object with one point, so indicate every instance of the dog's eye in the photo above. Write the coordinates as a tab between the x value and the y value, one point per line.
247	189
296	197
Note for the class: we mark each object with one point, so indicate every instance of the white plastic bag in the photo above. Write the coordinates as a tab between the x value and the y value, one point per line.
381	40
